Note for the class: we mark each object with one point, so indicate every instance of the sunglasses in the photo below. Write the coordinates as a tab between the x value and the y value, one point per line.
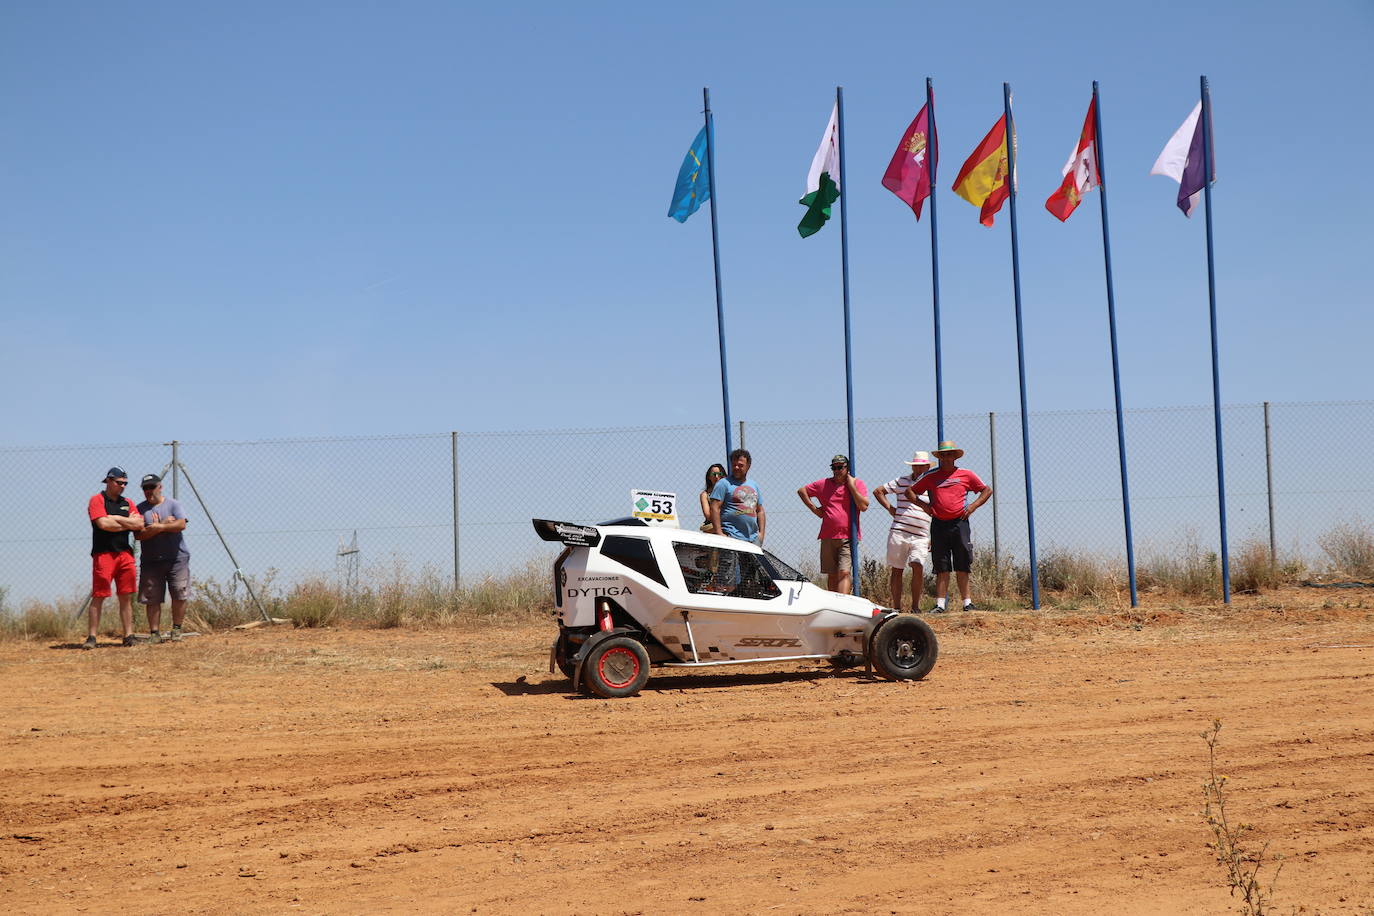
122	483
838	467
149	487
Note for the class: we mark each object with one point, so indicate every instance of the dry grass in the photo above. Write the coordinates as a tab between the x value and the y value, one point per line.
1350	548
391	597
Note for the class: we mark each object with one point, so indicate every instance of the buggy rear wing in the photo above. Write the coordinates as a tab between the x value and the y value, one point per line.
566	532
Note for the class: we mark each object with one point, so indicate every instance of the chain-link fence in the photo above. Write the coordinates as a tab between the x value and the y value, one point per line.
458	505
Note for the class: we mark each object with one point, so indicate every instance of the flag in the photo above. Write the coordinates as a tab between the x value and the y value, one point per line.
1181	160
693	181
1080	172
908	174
823	181
983	179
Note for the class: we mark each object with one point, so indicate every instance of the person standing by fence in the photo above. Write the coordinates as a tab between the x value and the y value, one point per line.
113	516
836	494
165	563
908	540
737	505
951	543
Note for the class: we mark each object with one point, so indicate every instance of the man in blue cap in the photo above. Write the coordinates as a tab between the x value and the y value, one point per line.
113	516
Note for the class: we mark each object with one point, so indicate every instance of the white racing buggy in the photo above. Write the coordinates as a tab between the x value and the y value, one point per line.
631	596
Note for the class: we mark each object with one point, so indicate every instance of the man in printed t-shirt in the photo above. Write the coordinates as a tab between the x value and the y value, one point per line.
736	504
836	494
112	556
951	545
165	563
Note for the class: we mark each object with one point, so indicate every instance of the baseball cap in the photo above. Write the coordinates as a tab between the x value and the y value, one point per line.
839	459
116	472
149	480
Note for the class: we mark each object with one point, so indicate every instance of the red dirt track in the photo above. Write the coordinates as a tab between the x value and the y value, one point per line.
1050	763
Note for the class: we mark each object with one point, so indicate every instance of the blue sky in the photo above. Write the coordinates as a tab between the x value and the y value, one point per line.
281	219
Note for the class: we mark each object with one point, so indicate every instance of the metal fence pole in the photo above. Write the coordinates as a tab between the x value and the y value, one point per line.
1269	484
453	443
992	448
741	435
176	473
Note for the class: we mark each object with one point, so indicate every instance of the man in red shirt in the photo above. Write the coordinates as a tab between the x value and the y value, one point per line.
951	546
836	493
113	516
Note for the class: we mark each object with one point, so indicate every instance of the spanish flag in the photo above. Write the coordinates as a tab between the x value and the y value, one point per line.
983	179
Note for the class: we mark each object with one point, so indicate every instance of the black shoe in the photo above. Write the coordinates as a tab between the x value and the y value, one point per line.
937	610
971	607
130	640
89	643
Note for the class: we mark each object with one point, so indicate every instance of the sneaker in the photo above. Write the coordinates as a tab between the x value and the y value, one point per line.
153	638
970	606
938	609
89	643
175	635
130	640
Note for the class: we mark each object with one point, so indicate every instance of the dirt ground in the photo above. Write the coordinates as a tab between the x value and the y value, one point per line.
1050	763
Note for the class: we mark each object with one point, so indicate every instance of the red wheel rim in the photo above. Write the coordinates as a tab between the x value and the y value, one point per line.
619	660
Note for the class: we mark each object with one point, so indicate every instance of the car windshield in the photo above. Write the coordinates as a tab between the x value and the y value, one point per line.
780	570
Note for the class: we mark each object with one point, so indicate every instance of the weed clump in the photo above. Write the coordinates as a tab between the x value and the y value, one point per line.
1242	864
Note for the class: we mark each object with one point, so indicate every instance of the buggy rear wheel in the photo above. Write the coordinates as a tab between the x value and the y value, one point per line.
904	649
618	667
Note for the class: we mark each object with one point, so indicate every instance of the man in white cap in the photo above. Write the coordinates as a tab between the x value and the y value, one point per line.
908	541
951	544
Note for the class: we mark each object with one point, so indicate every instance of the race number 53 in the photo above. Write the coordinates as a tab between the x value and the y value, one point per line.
653	505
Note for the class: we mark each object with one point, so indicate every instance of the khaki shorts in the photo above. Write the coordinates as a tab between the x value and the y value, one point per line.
905	550
835	555
157	578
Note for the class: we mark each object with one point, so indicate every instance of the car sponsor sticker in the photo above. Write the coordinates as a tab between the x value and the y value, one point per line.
654	507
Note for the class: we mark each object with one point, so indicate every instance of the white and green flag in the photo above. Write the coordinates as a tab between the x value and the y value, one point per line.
823	181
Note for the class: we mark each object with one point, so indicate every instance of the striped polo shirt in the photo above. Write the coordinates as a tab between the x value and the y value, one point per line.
909	519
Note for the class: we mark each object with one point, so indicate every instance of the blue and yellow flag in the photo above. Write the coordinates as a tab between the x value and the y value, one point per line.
693	181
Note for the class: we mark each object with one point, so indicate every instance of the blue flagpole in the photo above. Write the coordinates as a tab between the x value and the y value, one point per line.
848	360
1208	173
935	266
715	256
1021	347
1111	322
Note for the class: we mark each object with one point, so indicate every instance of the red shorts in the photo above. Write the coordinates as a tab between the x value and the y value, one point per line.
116	566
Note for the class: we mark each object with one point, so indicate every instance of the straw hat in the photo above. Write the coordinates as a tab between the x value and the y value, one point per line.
949	448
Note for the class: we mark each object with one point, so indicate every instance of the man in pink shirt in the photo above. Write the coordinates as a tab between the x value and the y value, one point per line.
951	546
836	493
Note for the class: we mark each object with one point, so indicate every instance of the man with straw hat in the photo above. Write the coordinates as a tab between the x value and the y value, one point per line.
908	541
950	542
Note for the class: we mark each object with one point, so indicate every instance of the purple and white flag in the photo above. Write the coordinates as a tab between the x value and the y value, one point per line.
1181	160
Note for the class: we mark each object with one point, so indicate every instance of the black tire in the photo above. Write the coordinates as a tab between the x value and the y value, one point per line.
618	667
904	649
562	655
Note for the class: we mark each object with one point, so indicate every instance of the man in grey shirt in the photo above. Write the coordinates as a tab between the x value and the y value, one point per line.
166	563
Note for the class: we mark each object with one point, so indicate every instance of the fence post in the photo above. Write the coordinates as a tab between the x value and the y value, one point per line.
741	437
1269	484
176	473
453	451
992	448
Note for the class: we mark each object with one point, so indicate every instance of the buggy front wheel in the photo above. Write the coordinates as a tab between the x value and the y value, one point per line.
904	649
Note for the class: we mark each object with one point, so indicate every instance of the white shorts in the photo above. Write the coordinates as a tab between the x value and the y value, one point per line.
905	549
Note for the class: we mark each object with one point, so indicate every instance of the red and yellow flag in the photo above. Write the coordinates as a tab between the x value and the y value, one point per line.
983	179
